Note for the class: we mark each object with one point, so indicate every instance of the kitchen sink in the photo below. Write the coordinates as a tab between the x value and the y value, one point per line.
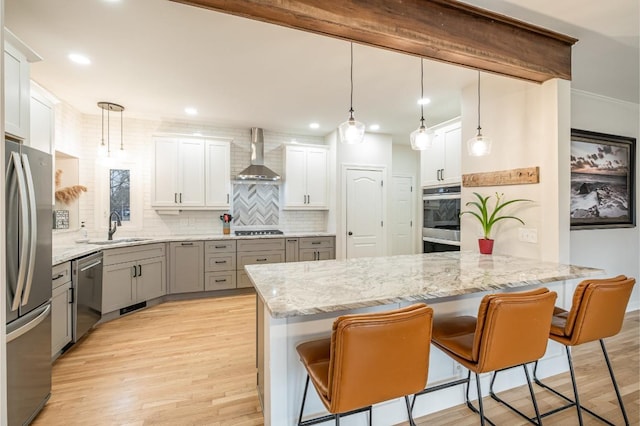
118	240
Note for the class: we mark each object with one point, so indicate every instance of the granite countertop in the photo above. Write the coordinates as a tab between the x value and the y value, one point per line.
66	252
308	288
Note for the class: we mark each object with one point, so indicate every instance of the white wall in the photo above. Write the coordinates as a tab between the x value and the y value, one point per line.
615	250
529	127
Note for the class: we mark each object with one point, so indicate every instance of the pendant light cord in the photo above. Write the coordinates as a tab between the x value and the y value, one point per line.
479	128
422	91
351	99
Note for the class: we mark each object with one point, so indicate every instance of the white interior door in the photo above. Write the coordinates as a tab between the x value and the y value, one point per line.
364	213
402	216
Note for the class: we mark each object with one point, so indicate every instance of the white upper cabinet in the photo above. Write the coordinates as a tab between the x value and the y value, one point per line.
440	164
16	92
217	173
41	121
17	57
305	182
191	174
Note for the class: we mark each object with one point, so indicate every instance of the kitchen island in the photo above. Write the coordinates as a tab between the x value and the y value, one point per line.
299	301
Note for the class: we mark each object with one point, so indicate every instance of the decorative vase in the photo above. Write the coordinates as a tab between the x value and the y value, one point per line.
486	246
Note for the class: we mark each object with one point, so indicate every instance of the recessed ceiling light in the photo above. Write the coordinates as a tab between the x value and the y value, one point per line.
424	101
314	125
79	59
374	127
191	111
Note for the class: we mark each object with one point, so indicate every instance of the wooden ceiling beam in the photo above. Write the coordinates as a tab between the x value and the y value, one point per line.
444	30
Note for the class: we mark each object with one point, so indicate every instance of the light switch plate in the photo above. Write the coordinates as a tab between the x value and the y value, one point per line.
528	235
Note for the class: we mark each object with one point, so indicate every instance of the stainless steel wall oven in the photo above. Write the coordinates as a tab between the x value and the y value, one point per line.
441	219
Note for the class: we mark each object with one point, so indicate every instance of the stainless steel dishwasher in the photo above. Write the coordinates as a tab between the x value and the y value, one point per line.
87	292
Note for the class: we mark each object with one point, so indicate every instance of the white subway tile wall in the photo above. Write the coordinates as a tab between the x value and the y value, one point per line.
80	134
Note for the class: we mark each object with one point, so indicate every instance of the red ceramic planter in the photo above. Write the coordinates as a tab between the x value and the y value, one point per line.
486	246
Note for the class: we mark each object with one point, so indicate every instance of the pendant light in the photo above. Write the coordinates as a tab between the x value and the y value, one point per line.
351	131
479	145
421	138
104	150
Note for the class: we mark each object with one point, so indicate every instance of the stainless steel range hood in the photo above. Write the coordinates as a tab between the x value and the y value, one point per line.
257	170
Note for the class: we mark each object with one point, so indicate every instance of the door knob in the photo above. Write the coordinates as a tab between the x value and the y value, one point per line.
349	233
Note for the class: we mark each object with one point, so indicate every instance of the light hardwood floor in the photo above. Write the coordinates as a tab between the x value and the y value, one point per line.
193	363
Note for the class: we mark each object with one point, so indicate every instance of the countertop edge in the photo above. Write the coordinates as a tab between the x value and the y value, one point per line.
65	253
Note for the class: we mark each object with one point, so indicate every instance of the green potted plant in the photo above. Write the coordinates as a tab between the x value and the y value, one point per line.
488	217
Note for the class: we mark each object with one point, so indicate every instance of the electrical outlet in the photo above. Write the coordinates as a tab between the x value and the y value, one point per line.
528	235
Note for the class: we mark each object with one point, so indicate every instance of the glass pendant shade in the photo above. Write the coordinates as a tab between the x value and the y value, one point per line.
421	138
351	131
479	145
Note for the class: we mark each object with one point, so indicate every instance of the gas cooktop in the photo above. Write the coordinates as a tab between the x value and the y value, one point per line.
260	232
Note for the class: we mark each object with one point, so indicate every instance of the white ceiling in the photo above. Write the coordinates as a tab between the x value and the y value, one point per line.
156	57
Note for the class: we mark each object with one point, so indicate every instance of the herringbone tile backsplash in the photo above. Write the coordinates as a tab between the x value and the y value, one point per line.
256	204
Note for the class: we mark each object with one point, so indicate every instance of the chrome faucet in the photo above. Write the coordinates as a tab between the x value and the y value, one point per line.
116	223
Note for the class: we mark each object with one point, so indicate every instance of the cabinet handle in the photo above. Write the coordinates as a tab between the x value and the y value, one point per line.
135	271
220	246
316	242
315	255
139	270
175	197
221	281
70	296
221	261
57	277
292	241
261	260
186	244
181	198
227	198
308	199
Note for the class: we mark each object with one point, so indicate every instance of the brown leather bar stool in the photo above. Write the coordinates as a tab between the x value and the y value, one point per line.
597	312
369	358
511	329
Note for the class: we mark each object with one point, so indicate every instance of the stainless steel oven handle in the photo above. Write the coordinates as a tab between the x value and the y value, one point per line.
454	196
439	241
91	265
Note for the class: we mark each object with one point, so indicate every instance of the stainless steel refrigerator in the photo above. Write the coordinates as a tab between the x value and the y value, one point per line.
28	252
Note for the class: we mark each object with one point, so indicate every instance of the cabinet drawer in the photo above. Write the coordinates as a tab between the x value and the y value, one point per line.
211	247
220	262
219	280
259	258
60	274
261	244
316	242
128	254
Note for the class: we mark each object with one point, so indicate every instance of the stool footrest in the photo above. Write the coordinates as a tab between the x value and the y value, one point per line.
571	403
326	418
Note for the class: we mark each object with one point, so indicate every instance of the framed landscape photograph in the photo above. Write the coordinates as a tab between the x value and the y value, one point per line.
602	180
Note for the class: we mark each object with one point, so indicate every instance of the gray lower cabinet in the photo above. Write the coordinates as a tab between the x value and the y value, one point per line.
186	268
132	275
219	265
259	251
291	249
61	307
316	248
